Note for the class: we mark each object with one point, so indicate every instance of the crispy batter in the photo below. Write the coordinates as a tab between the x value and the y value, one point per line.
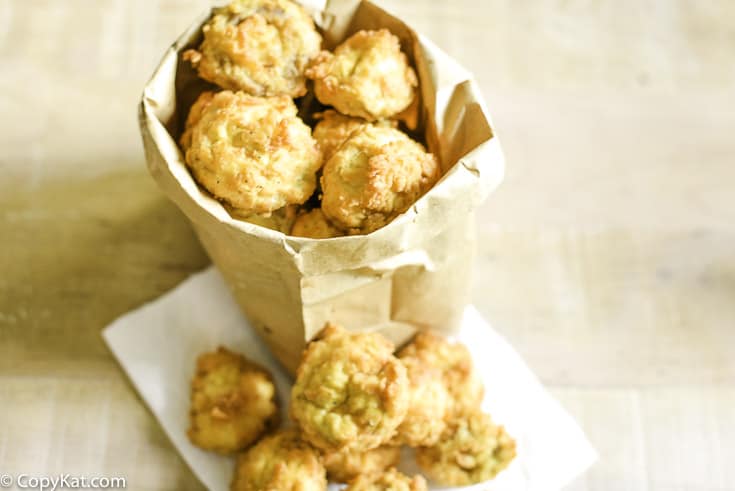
430	402
233	402
455	363
367	76
281	220
259	46
334	128
195	115
350	393
314	224
471	450
253	153
345	465
280	462
391	480
374	177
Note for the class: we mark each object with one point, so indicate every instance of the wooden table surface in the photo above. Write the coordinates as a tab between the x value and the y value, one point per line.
607	257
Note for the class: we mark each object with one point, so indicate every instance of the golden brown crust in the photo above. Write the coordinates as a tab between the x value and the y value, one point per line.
345	465
253	153
233	402
367	76
391	480
461	379
334	128
280	462
430	403
314	225
195	115
376	175
471	450
261	47
351	393
281	220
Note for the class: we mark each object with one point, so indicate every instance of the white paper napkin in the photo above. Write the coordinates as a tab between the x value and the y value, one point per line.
157	346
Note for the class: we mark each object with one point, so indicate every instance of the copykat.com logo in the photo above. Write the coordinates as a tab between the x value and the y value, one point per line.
61	481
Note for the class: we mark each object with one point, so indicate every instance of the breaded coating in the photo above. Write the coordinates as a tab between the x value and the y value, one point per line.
334	128
376	175
261	47
233	402
350	393
253	153
471	450
314	224
430	403
461	379
391	480
195	115
367	76
281	220
345	465
280	462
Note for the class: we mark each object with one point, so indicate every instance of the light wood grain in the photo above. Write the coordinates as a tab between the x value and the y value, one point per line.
607	257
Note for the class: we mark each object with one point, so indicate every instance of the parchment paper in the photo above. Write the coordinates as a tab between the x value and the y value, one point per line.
157	346
412	274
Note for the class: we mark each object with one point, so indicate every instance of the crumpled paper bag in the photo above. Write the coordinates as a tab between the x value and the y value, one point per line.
413	273
157	346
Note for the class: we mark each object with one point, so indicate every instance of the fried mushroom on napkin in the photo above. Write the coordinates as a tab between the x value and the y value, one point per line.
345	465
471	450
233	402
350	393
281	461
391	480
454	362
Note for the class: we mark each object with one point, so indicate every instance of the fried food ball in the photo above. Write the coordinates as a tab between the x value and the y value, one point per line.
314	224
261	47
233	402
347	464
367	76
471	450
279	462
430	403
253	153
461	379
350	393
392	480
334	128
376	175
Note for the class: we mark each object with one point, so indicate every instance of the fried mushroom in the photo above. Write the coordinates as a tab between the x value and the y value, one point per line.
282	461
454	362
367	76
374	176
472	450
233	402
253	153
391	480
261	47
345	465
350	393
430	403
313	224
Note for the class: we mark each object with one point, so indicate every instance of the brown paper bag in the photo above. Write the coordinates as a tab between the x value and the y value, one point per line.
412	274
